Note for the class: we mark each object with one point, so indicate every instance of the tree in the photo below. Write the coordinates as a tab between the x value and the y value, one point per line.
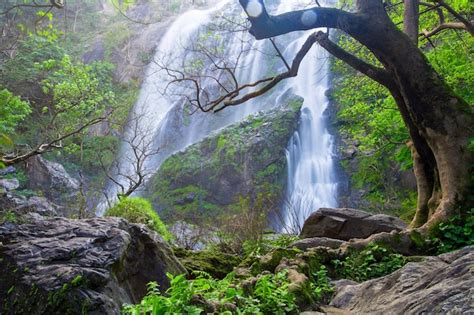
130	173
71	97
59	98
439	122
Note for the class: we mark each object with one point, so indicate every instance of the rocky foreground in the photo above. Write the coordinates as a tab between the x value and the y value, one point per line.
442	284
94	266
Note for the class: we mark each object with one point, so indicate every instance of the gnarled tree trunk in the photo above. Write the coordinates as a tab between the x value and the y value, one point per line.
439	122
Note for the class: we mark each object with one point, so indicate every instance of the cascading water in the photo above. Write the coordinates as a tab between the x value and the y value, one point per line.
310	155
311	182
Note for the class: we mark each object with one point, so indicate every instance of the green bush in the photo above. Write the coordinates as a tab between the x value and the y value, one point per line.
456	233
139	210
268	294
372	262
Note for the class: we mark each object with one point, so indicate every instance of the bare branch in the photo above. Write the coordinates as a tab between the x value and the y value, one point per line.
272	40
53	4
444	26
469	25
293	72
11	159
130	175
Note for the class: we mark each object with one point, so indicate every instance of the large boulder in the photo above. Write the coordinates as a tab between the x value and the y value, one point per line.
93	266
51	178
346	224
437	285
242	160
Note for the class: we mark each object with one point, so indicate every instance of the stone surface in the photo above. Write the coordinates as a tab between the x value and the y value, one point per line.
242	160
63	266
39	205
52	178
35	204
437	285
346	224
399	241
9	184
7	170
316	242
216	263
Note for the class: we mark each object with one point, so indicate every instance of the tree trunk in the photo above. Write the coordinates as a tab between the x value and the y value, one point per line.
440	125
411	16
439	122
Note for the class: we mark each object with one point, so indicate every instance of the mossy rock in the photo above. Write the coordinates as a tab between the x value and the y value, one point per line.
213	262
246	159
271	260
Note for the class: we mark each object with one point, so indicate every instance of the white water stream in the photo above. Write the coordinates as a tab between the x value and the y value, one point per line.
311	176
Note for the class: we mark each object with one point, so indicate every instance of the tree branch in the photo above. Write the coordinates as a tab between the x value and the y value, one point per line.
462	19
292	72
441	27
266	26
377	74
53	4
45	147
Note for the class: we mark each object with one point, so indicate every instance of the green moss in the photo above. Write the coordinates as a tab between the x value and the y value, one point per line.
139	210
66	300
418	239
295	104
271	260
77	281
257	122
212	261
221	143
190	184
9	216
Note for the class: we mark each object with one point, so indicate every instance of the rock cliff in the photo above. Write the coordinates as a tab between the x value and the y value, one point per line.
242	160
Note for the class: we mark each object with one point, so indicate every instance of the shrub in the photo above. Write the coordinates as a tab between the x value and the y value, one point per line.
139	210
457	232
267	294
372	262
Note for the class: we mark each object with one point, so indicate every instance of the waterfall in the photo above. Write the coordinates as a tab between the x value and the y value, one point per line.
310	154
165	123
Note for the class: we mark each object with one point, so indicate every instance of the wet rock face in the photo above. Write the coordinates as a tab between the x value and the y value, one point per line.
60	266
346	224
52	178
242	160
438	285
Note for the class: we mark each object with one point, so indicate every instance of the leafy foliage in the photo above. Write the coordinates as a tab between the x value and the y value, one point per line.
263	245
139	210
456	233
13	110
372	262
269	294
77	91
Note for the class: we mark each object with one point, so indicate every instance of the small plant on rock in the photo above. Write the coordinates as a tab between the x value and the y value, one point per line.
139	210
457	232
372	262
